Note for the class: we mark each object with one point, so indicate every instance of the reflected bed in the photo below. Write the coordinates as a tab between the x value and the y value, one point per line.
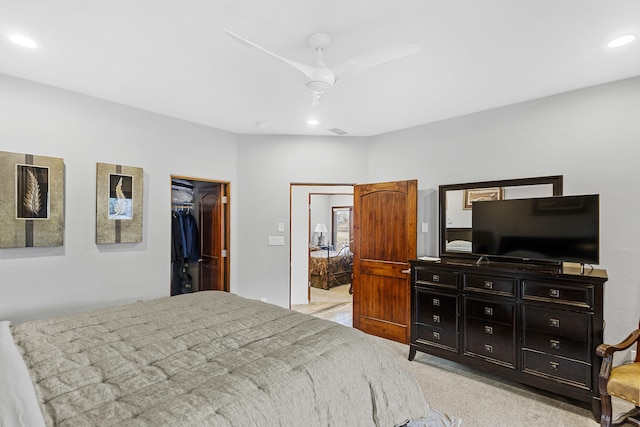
458	239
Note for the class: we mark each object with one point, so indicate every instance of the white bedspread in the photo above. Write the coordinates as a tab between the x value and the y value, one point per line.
212	359
18	404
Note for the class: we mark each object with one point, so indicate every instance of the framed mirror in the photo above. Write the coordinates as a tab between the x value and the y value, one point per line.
456	205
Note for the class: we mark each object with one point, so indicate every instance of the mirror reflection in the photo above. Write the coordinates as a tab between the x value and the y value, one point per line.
457	204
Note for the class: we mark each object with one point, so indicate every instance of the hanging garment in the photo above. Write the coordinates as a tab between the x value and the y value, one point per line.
190	237
176	256
185	250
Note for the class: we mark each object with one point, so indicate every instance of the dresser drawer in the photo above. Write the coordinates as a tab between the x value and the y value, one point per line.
490	340
557	345
545	365
491	284
490	311
558	292
436	277
436	309
439	337
556	322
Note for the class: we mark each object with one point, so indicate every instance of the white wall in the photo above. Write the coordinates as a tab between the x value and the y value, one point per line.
320	212
590	136
267	166
38	119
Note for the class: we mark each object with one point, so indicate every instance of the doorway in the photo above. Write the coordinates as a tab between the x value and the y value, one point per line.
205	266
330	256
304	220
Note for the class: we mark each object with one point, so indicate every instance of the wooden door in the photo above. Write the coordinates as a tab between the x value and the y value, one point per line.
384	240
213	251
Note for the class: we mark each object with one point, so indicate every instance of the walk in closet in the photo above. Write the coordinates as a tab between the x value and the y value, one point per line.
199	235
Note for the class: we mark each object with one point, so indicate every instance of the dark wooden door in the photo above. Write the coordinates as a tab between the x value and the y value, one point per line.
384	225
212	238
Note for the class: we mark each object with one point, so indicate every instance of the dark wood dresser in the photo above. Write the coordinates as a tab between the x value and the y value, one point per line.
538	325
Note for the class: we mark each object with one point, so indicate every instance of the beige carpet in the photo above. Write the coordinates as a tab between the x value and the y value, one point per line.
484	401
479	399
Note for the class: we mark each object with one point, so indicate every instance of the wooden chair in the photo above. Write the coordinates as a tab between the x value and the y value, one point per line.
621	381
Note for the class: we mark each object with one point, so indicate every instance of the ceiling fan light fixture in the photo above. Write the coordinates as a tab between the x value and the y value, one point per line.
318	86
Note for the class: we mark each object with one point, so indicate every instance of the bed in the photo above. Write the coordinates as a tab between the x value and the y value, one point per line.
203	359
330	268
458	239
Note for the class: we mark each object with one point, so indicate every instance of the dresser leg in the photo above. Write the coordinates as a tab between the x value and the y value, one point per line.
412	352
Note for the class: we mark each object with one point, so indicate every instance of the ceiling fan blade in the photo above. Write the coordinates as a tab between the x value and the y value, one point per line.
307	70
368	60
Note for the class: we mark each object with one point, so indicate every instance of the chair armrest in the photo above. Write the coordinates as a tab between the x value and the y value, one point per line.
605	350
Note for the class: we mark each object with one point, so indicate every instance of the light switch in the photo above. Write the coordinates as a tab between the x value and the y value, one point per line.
276	240
425	227
281	227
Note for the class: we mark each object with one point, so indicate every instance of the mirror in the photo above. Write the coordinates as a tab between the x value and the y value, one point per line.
456	204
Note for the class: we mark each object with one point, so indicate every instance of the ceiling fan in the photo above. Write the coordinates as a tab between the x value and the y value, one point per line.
320	77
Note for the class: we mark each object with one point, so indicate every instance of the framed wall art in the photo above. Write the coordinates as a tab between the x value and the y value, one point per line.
31	200
118	203
477	194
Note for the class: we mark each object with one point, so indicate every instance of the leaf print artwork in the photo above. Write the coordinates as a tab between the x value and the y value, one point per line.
120	205
120	197
32	192
32	197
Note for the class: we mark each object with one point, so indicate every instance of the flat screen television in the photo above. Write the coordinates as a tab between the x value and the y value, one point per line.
548	229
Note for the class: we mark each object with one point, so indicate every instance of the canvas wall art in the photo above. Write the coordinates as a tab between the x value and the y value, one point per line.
31	200
118	203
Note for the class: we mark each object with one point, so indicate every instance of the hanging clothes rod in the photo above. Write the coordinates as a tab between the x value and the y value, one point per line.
182	206
183	184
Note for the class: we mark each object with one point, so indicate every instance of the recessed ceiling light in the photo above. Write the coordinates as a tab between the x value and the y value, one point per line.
312	122
622	40
23	41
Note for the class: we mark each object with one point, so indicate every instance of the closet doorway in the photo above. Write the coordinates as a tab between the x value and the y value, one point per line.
206	265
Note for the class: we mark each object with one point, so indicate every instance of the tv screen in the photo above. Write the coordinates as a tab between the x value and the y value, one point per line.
563	228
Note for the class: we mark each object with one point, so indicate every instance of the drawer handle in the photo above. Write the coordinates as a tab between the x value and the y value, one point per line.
436	318
488	311
436	335
554	293
488	348
554	344
488	284
435	278
554	323
488	330
554	365
436	302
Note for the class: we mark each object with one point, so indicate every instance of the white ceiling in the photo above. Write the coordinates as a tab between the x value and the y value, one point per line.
172	57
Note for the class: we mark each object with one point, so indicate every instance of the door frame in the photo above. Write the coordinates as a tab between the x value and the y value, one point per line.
299	247
225	187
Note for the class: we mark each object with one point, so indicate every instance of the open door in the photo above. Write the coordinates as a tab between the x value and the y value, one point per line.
384	226
213	252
